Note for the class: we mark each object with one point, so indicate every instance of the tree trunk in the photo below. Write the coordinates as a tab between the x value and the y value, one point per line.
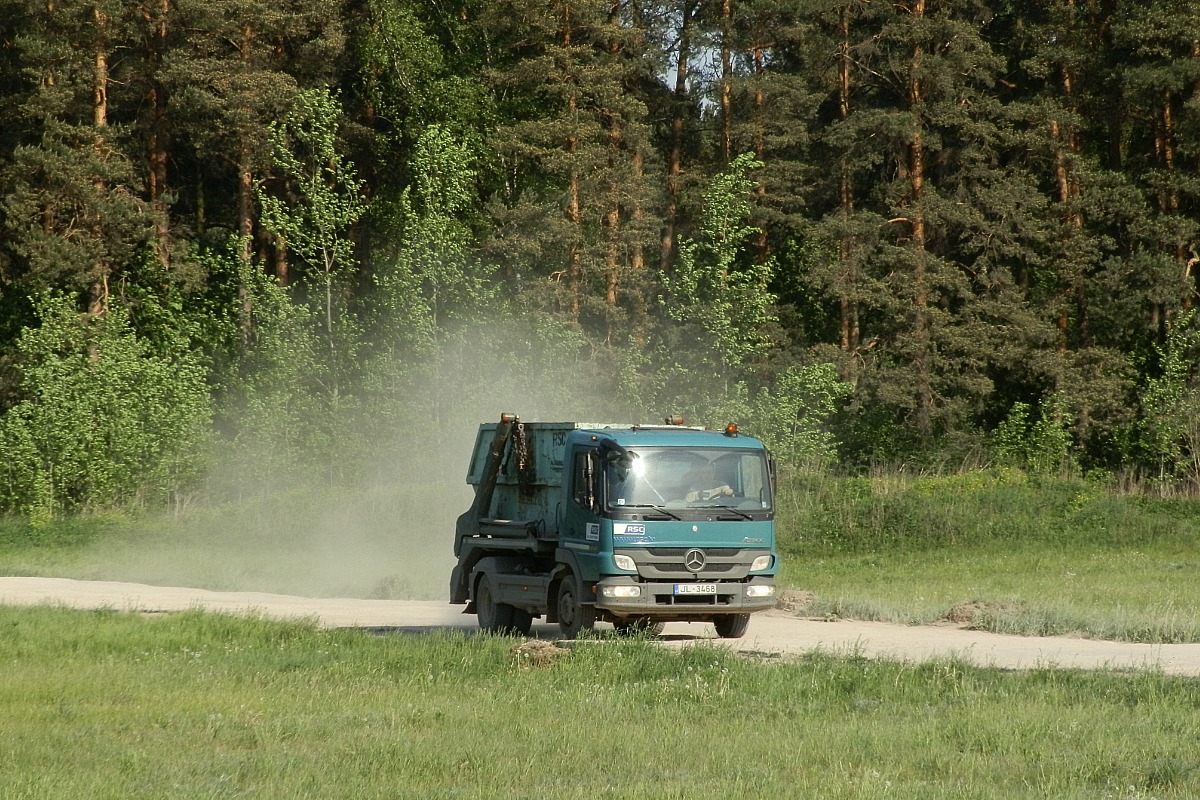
916	175
760	137
245	217
98	291
283	274
158	140
612	218
726	82
1191	257
574	212
1066	149
637	256
675	159
245	210
1168	195
848	311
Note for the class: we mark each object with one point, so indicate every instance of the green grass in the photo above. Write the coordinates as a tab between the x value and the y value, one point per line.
112	705
1148	595
1021	555
1050	557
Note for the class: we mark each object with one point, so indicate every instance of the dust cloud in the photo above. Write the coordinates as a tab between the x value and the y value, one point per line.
387	534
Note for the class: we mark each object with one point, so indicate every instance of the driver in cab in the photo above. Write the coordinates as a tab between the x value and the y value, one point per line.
701	483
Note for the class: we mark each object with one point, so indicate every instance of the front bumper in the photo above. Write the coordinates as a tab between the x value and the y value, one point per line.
659	598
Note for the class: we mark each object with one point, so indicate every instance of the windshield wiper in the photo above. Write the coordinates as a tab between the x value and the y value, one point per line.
737	511
659	509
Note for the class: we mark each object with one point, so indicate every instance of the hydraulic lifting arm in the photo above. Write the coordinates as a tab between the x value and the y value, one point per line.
468	522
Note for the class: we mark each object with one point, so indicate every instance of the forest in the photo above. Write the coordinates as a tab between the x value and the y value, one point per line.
245	245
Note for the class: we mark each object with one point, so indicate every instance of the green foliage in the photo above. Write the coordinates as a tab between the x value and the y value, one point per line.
1042	447
710	288
328	202
1010	439
104	420
1050	439
437	278
270	372
794	416
305	149
970	205
411	80
1171	404
71	215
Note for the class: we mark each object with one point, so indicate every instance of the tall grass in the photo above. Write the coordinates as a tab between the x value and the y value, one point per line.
109	705
902	513
997	550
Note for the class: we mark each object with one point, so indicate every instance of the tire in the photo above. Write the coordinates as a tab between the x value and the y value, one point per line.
732	626
639	626
522	621
573	616
486	607
499	617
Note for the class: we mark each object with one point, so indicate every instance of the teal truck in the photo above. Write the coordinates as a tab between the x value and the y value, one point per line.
636	525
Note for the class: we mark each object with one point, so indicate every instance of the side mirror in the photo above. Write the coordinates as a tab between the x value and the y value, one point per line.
612	452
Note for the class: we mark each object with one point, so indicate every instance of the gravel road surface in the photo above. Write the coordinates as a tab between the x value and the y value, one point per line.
773	633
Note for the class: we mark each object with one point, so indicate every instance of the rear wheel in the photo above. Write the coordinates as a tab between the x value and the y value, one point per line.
486	607
499	617
732	626
573	616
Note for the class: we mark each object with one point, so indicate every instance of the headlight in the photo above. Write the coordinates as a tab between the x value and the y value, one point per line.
622	591
624	562
762	562
760	590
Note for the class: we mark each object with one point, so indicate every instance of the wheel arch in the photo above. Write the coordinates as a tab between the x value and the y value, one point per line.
566	568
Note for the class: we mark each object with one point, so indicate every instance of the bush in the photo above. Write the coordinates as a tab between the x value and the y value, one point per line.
103	420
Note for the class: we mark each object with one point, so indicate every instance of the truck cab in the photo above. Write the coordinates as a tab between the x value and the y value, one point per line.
632	524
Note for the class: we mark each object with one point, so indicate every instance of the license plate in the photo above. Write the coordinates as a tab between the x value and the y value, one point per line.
695	588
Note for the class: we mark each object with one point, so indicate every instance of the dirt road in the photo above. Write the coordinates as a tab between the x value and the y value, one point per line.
773	633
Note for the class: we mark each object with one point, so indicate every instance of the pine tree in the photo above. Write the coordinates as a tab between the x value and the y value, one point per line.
236	67
1159	76
934	107
574	148
72	197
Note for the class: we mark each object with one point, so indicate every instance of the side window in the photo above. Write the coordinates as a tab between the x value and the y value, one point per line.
584	481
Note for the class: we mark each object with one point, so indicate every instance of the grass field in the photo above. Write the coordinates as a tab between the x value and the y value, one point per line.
1005	552
110	705
997	549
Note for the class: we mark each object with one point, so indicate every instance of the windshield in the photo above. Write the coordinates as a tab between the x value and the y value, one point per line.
683	477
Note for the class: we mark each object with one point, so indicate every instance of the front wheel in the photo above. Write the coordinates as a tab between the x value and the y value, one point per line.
732	626
639	626
573	616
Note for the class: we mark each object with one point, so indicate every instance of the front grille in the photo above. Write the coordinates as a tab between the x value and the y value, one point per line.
666	563
689	600
680	552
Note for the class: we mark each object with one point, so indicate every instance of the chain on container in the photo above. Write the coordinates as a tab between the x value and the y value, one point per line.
524	465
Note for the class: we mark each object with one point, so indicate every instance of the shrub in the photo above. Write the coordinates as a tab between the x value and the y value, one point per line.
103	420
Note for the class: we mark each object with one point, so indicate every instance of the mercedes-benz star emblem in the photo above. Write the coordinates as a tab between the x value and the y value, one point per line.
694	560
